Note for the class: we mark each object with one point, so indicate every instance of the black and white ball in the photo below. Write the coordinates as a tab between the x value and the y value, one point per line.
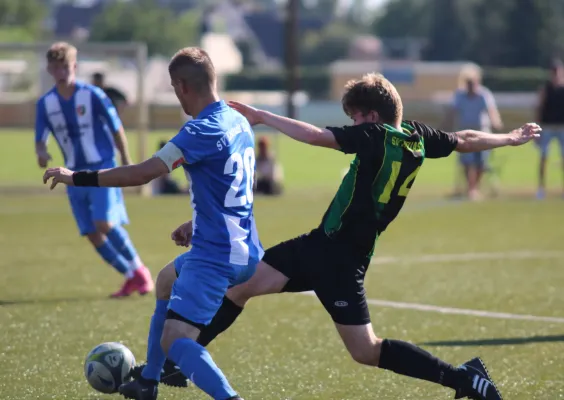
107	366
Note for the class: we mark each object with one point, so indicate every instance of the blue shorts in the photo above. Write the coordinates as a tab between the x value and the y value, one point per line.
547	136
90	204
477	159
201	285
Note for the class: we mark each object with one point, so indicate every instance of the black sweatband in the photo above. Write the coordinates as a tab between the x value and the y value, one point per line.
85	178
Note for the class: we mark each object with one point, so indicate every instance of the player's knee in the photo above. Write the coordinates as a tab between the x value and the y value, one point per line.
367	354
165	280
166	341
177	327
96	238
103	226
239	295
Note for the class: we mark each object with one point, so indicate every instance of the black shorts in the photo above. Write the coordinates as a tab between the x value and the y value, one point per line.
315	262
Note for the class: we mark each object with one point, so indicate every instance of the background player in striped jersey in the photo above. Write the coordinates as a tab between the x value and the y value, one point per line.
87	128
216	151
332	259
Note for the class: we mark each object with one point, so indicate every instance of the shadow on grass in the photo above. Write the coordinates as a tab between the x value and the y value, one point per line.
498	341
16	302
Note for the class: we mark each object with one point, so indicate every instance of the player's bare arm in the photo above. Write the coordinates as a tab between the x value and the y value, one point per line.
43	156
470	141
125	176
298	130
121	144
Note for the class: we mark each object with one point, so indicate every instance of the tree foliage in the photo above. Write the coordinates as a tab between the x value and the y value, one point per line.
21	19
146	21
502	32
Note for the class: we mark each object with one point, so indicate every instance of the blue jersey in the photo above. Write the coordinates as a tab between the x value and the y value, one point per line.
216	150
83	125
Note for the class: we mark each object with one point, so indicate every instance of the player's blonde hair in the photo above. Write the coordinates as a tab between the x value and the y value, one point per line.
194	66
61	51
373	92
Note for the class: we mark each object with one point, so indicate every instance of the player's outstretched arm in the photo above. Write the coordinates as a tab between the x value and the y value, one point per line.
298	130
131	175
470	141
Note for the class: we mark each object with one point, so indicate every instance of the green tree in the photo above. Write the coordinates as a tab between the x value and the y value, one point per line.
320	8
332	43
448	35
490	44
145	21
524	25
403	18
21	20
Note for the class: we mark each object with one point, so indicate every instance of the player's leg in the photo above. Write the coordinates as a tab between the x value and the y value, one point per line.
108	213
159	369
195	298
470	379
481	161
466	162
560	137
112	208
340	289
474	175
155	354
543	143
266	280
279	271
80	206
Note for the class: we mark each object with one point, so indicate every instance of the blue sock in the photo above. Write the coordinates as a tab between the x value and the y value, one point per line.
112	257
196	363
155	354
121	241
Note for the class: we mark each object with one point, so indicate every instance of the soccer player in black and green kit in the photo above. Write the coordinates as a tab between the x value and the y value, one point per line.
332	259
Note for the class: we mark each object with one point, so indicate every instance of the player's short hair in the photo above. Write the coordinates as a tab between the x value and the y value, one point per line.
373	92
61	51
194	66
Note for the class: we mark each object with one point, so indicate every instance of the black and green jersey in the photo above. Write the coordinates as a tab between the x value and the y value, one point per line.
375	188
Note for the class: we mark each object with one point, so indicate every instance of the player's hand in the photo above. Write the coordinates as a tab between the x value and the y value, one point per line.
59	175
252	114
182	235
525	134
43	159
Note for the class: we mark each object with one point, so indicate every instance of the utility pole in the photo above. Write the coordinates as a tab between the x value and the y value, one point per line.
291	55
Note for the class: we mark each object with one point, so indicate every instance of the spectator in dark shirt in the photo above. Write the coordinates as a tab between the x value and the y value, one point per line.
116	96
550	115
269	173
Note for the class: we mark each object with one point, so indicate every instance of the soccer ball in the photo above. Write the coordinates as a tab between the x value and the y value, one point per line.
107	366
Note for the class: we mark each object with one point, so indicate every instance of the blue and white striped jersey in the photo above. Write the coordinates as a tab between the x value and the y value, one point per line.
83	125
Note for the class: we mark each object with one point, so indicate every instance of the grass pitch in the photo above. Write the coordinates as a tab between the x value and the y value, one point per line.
503	256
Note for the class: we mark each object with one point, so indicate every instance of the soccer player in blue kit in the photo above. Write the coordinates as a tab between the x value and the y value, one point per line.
87	128
216	150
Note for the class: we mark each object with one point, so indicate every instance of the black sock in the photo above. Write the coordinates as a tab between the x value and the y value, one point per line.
223	319
409	360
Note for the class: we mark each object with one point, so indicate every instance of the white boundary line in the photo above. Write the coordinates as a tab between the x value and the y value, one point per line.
439	258
457	311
